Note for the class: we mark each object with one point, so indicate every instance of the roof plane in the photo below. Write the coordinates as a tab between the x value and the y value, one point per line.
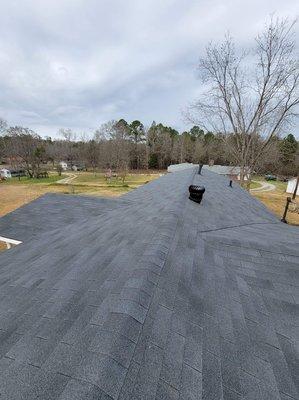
156	297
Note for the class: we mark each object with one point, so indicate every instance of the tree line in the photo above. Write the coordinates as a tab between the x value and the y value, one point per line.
120	145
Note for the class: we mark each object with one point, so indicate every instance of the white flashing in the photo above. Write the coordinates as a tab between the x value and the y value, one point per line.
9	241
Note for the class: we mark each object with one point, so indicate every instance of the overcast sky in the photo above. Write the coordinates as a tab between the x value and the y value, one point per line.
79	63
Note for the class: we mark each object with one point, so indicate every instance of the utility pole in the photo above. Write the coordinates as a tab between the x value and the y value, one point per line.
283	219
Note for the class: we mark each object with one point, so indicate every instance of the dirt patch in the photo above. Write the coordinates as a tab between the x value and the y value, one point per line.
3	246
14	196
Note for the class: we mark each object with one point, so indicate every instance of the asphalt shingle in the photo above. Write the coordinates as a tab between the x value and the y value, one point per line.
150	296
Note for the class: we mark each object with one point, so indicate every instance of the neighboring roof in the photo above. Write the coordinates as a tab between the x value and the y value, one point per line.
159	298
180	167
223	169
218	169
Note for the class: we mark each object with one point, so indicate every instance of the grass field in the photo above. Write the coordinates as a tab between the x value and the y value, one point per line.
14	192
275	200
14	196
255	185
24	180
281	186
98	179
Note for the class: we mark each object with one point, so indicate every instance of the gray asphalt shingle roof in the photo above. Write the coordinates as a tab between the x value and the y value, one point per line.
52	211
153	297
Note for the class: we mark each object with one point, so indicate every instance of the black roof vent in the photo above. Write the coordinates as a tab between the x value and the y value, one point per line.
196	193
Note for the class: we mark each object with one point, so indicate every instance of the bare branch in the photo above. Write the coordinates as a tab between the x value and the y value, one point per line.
247	105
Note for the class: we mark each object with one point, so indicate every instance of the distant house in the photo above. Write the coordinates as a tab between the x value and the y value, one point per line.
5	173
63	165
291	186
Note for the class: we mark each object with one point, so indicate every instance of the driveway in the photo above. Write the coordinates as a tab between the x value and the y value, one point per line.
69	179
265	187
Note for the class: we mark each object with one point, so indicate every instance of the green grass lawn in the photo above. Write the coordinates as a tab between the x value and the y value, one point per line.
280	186
98	179
275	199
255	185
24	180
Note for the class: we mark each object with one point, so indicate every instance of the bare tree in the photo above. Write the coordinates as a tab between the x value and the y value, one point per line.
3	129
68	134
115	135
25	149
92	154
3	126
250	102
70	138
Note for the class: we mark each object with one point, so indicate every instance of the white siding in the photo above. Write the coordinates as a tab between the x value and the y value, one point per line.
291	186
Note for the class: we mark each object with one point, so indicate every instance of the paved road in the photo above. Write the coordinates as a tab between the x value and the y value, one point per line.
265	187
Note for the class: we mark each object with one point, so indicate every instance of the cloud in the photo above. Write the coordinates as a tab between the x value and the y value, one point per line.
79	63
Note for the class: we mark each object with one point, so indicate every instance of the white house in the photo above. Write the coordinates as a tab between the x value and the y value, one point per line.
291	186
5	173
63	165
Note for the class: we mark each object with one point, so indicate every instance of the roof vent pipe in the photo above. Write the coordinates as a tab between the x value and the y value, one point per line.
196	193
